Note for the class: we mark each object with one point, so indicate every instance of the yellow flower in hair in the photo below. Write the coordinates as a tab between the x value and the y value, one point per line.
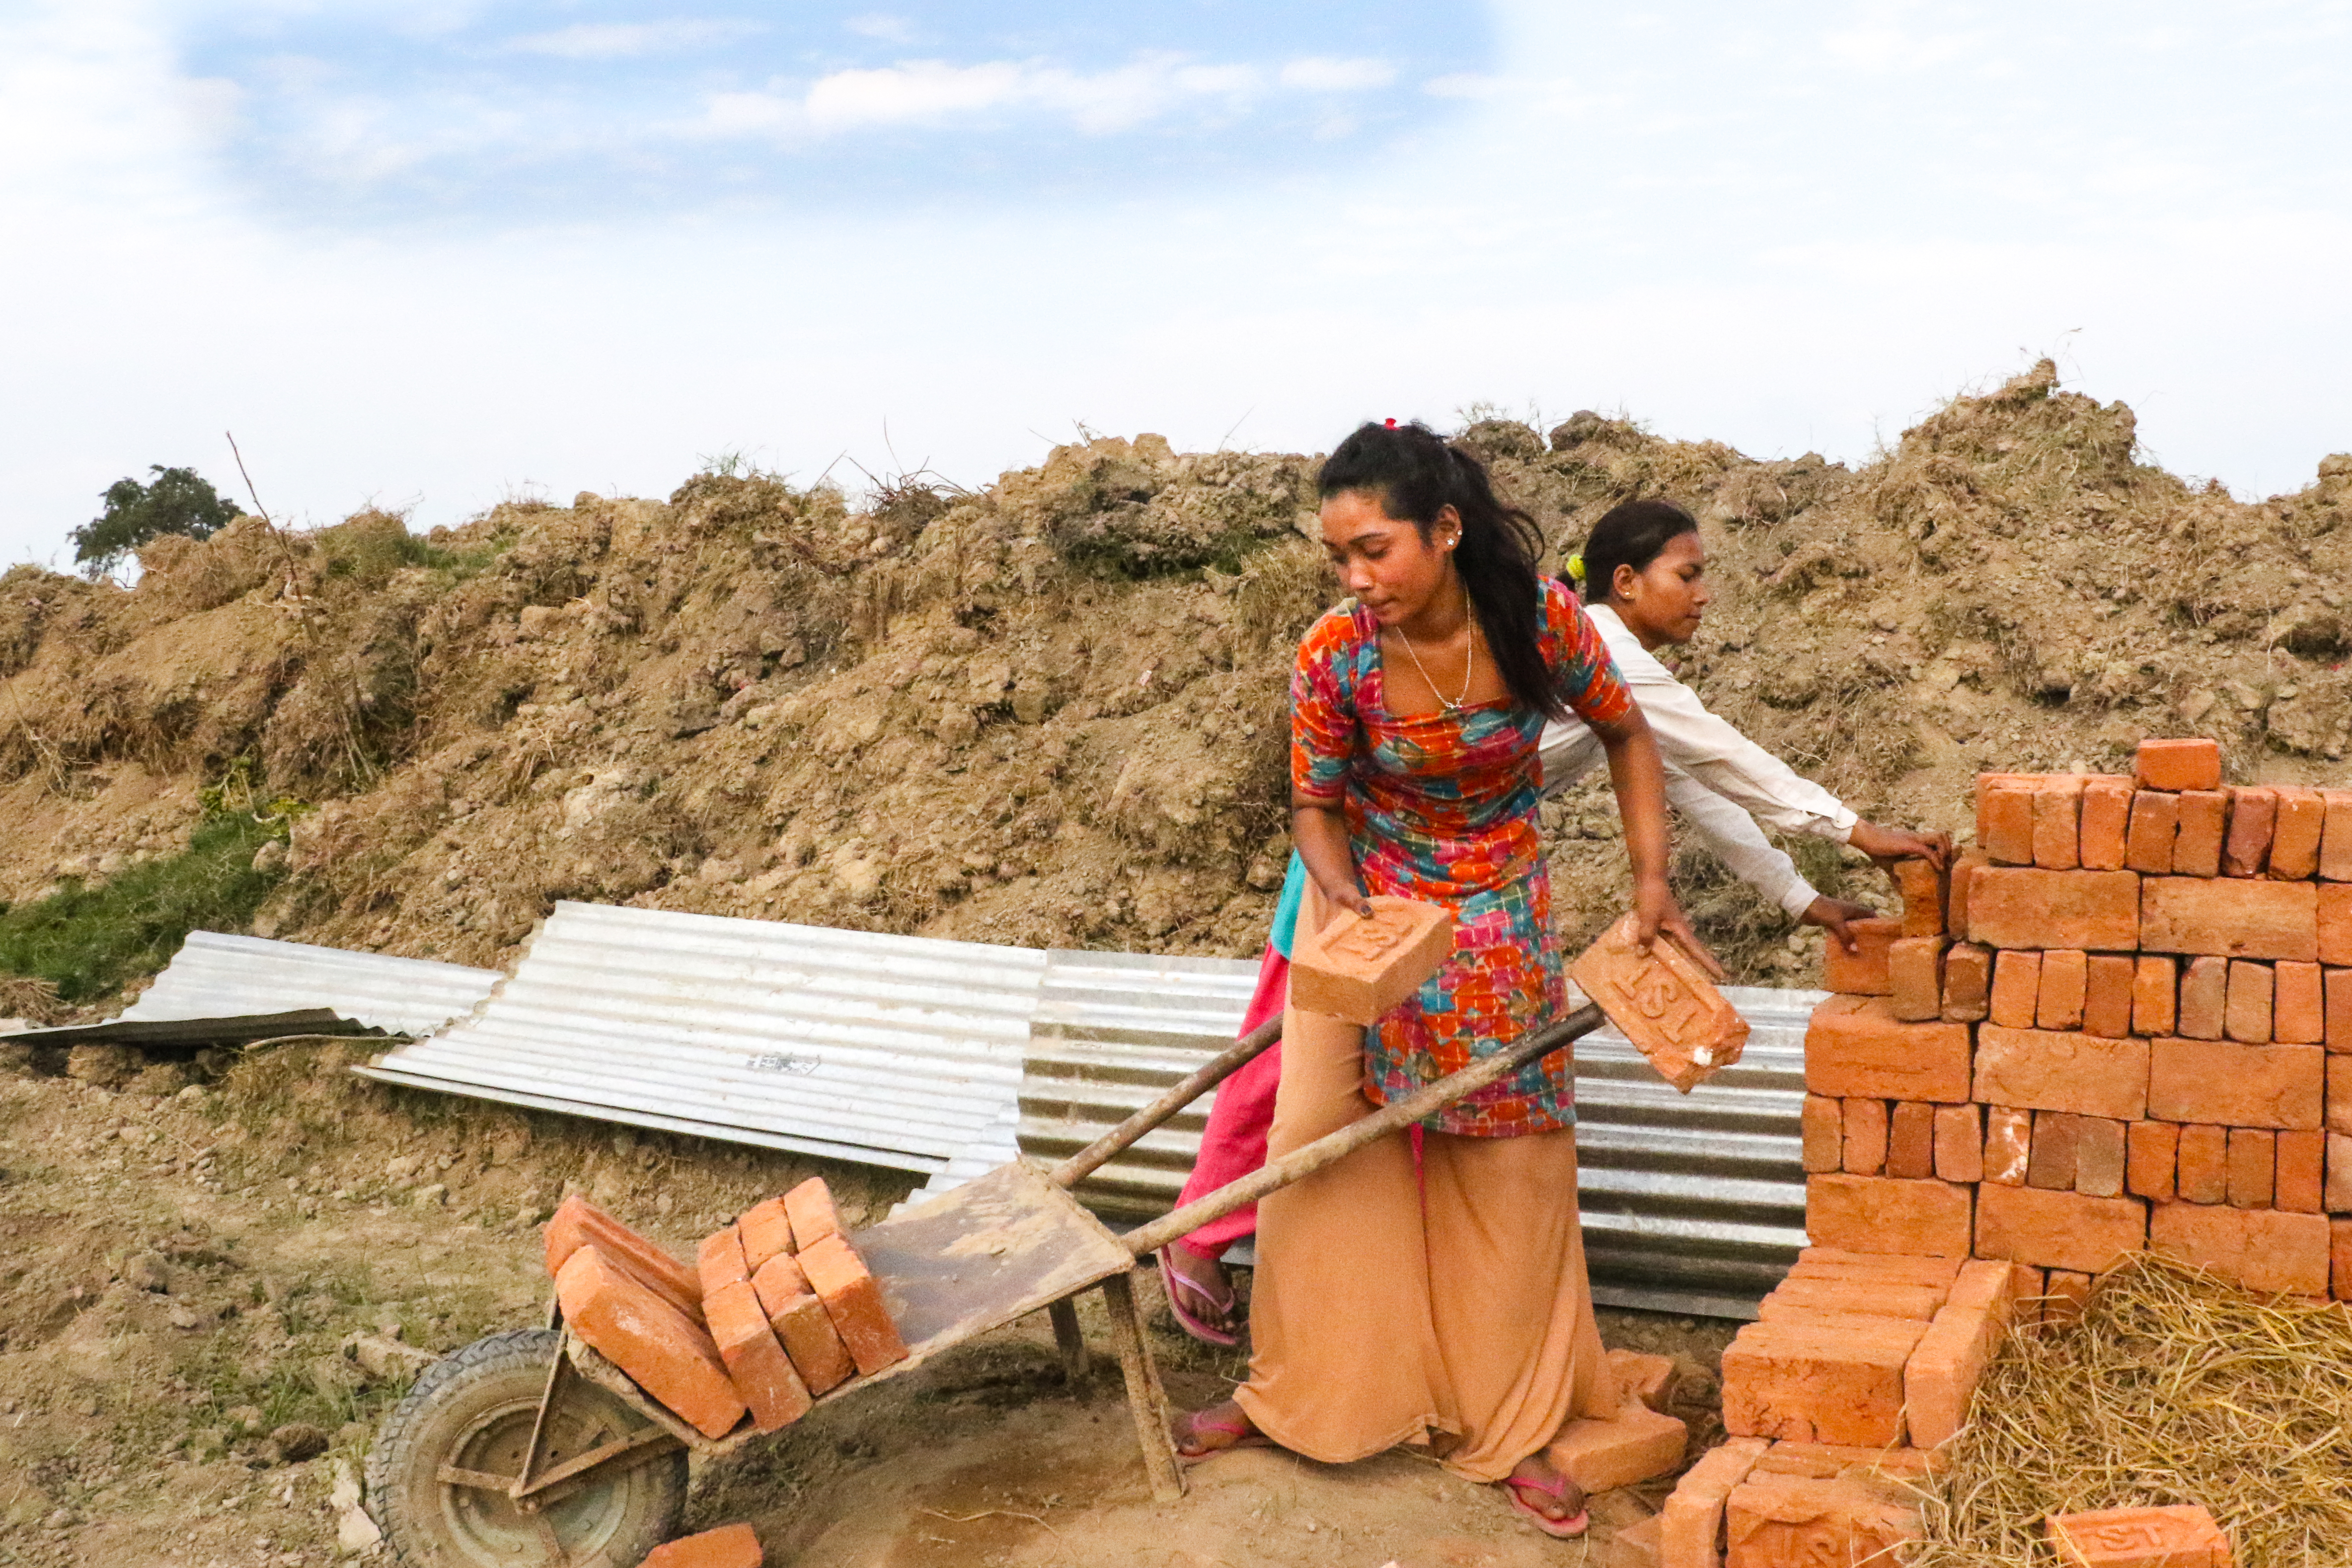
1575	568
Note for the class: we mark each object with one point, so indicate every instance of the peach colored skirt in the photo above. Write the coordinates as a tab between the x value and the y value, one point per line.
1452	1310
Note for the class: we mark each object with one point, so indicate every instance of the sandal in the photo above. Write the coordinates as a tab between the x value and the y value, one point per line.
1178	1287
1184	1432
1558	1529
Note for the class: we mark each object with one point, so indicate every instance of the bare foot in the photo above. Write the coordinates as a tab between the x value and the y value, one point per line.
1211	1298
1556	1500
1213	1431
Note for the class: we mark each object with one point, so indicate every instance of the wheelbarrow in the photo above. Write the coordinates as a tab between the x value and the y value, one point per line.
529	1448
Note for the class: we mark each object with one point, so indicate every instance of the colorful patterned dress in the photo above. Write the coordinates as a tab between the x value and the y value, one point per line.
1441	807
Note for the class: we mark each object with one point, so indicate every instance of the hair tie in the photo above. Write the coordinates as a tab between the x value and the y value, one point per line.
1576	569
1392	424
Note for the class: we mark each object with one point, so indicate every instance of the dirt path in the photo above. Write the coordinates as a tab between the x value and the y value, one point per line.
208	1302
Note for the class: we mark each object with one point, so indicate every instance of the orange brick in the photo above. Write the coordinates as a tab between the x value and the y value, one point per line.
2155	819
2335	1109
2294	842
2333	918
2009	1144
2042	1071
720	1260
2204	1165
2058	1229
2253	816
1865	1136
2204	998
2179	1537
1822	1124
1838	1263
2339	1252
1960	1143
2301	1177
766	1232
1772	1520
2338	983
2336	1195
1690	1525
2190	764
756	1363
1915	977
2106	818
1828	1462
2152	1149
1939	1381
1639	1543
1649	1379
2336	836
669	1353
1817	1384
2099	1156
2066	980
2057	1138
1965	866
2029	1286
2107	994
802	1326
2298	1012
2064	1295
1358	969
2016	988
2153	996
2246	1016
1855	1047
1968	983
2201	820
1663	1002
577	1222
810	1208
852	1299
2010	906
2005	822
1637	1444
728	1546
1861	973
2236	1085
1922	887
2057	823
2260	1248
1911	1140
1878	1214
2254	1166
2241	919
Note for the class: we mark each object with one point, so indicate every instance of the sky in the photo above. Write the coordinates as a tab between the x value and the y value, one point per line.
436	254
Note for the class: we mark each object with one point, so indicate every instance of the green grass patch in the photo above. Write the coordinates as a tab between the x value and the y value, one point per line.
88	939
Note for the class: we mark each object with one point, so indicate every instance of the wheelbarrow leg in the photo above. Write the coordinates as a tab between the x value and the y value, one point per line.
1146	1400
1070	1340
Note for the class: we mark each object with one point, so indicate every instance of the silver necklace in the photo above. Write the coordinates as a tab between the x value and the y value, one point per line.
1469	665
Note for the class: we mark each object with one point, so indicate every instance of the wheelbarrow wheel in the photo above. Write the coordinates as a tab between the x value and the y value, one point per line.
469	1418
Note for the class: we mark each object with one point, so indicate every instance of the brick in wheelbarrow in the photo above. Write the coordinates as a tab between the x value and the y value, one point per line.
811	1210
577	1222
719	1261
802	1326
669	1355
763	1374
853	1299
1662	1001
1360	969
766	1230
728	1546
2183	1536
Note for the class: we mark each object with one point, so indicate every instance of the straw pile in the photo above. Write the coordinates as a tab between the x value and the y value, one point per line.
2174	1389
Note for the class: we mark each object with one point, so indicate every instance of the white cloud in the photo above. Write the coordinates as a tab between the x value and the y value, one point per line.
1323	74
627	40
875	24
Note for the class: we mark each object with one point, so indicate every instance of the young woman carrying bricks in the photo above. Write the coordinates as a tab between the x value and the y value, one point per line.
1441	1301
1643	574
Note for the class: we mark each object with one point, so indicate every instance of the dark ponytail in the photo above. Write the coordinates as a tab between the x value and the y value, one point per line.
1416	474
1633	534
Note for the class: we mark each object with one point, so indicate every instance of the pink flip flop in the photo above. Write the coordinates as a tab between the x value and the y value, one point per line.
1558	1529
1244	1437
1177	1288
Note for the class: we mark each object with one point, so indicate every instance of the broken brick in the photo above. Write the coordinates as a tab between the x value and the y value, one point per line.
2300	1184
802	1326
2203	1165
1862	972
2336	836
2106	818
2016	988
669	1353
810	1207
2246	1015
756	1363
2204	998
2057	822
2254	1166
720	1260
766	1230
1818	1385
2338	986
1822	1124
1911	1140
1922	887
2183	1536
1662	1001
2202	818
2147	846
1939	1381
2044	1070
1601	1454
2066	980
2009	1144
2258	1249
2298	1009
728	1546
2231	919
2154	995
1641	1376
2056	1138
1865	1136
2058	1229
2013	906
2253	815
1878	1214
2005	822
2064	1294
2185	764
1773	1521
1968	983
2236	1085
1360	968
2099	1156
1959	1143
2151	1149
1855	1047
852	1299
2295	842
2107	994
1690	1525
1915	977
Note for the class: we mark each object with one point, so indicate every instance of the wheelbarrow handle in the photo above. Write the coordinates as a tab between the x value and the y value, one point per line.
1211	1073
1146	1239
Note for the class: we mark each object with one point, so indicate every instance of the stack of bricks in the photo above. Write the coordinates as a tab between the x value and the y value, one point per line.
778	1311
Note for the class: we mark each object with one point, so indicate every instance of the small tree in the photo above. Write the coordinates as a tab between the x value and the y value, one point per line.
178	501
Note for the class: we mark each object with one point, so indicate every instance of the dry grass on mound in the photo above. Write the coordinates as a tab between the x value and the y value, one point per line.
2175	1388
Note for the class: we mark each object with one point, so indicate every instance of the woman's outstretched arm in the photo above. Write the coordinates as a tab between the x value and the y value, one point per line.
1639	776
1320	833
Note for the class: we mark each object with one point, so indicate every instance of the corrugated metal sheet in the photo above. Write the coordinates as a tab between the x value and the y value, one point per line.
892	1050
218	975
186	1033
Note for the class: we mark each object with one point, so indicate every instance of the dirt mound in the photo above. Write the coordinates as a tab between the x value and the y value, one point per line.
1052	712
